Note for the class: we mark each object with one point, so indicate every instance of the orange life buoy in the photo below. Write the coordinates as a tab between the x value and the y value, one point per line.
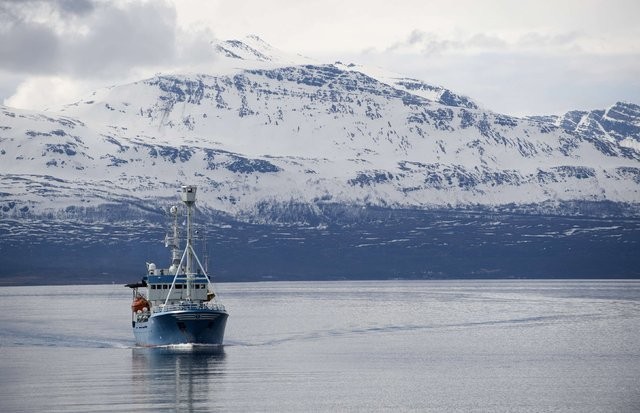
139	303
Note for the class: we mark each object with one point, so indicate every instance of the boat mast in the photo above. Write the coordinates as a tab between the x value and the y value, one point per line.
189	199
174	242
205	253
189	256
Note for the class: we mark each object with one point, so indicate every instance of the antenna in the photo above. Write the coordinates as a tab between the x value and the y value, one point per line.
174	241
205	251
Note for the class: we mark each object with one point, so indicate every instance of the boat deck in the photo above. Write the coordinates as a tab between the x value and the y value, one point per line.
188	307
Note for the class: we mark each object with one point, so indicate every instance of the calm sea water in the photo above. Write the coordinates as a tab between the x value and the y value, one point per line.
498	346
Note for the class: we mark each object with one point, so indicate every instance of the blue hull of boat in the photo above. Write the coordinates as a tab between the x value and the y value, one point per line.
182	327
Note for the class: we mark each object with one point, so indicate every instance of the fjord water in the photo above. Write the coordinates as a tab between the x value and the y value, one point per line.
334	346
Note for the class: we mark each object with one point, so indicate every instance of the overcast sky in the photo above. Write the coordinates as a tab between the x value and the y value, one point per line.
518	57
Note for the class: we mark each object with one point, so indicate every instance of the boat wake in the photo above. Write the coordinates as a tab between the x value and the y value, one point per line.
534	321
65	342
181	349
189	346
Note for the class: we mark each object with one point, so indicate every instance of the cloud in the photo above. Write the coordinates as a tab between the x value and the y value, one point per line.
541	42
53	51
91	38
429	43
62	7
47	91
78	7
519	73
117	39
24	45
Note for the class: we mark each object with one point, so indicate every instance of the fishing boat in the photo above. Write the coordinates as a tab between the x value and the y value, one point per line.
178	305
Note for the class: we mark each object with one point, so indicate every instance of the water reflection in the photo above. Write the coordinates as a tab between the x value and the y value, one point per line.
181	379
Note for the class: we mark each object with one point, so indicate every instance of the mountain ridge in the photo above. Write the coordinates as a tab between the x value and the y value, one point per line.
277	140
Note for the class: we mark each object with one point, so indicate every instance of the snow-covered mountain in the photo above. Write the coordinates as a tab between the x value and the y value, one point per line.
263	127
266	133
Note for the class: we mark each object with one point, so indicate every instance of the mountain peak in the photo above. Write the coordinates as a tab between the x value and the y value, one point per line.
257	39
254	48
237	49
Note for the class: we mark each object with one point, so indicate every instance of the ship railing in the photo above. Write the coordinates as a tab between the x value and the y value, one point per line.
188	306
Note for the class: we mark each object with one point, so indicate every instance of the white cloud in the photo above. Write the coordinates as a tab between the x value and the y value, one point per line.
572	42
90	39
41	92
66	46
